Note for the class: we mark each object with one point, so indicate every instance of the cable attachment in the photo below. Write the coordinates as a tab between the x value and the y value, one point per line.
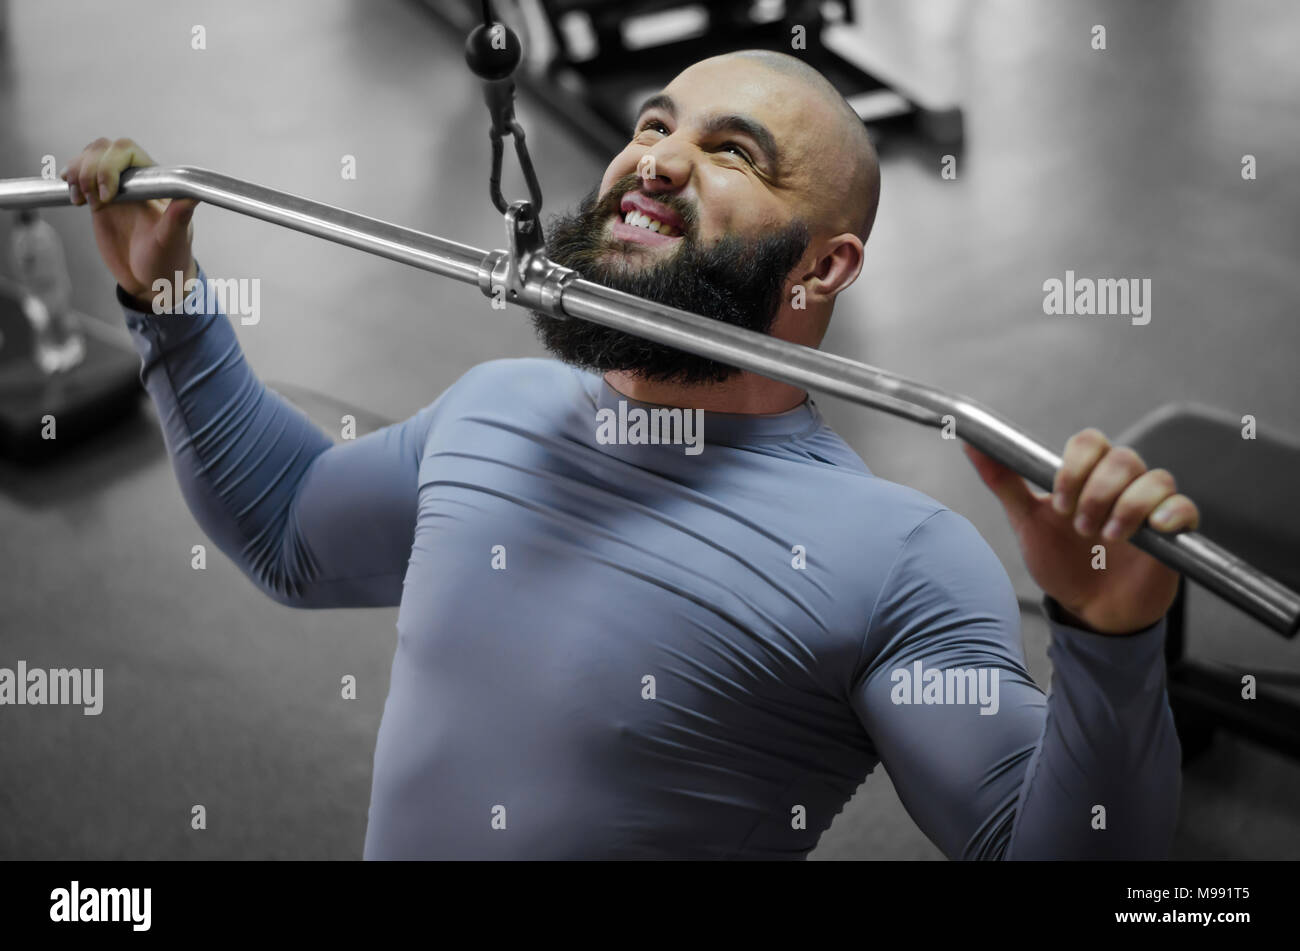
523	274
493	52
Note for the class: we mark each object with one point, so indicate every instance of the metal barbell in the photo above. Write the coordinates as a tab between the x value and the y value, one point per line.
529	279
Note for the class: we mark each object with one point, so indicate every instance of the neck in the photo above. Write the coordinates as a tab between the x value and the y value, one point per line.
743	393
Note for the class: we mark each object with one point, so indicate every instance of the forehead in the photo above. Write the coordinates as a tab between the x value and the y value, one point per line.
741	86
790	110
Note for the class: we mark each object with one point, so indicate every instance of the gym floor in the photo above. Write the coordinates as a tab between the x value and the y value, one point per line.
1117	162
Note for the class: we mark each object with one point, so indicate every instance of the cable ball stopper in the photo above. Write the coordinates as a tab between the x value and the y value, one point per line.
493	52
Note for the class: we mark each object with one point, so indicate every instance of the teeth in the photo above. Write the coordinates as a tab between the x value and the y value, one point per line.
638	220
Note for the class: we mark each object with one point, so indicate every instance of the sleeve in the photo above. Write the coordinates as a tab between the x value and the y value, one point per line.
311	523
987	766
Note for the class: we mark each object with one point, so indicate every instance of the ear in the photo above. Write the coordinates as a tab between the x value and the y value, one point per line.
837	265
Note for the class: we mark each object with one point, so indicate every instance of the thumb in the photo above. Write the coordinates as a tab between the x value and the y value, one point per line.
1006	484
176	219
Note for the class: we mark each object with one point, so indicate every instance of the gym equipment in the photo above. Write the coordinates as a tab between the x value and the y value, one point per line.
523	275
593	79
103	387
529	279
1204	446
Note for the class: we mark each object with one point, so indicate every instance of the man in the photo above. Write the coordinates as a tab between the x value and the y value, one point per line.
612	647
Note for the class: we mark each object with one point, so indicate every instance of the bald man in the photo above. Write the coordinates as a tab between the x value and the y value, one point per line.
652	606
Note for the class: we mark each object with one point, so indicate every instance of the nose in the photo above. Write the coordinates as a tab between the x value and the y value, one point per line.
665	166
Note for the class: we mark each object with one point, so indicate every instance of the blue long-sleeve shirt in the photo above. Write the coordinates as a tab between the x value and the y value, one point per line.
615	650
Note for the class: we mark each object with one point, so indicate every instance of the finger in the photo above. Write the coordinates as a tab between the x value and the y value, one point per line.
71	174
1108	479
1136	503
118	157
1082	453
1006	484
1175	514
74	190
88	172
176	219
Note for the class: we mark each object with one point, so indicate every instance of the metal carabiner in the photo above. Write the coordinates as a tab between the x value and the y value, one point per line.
513	128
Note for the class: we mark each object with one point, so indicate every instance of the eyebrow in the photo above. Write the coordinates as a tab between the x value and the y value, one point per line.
723	123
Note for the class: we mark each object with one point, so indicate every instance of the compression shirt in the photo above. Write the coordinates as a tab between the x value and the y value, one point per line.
627	650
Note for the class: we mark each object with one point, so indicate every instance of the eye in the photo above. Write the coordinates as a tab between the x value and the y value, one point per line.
733	147
651	124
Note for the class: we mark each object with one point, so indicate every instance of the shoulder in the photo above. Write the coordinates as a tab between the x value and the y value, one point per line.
931	548
893	543
945	568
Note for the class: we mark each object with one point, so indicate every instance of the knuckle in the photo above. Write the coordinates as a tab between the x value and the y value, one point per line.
122	143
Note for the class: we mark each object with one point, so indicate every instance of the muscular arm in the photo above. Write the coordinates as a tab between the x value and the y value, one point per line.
1023	782
311	523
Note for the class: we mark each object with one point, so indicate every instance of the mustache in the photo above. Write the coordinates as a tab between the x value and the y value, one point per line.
602	207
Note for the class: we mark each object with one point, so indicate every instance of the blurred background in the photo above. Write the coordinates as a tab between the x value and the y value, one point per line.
1125	161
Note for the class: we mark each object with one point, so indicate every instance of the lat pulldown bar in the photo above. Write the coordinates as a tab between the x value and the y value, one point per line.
531	280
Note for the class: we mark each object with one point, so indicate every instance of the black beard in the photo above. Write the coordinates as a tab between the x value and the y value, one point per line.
734	280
